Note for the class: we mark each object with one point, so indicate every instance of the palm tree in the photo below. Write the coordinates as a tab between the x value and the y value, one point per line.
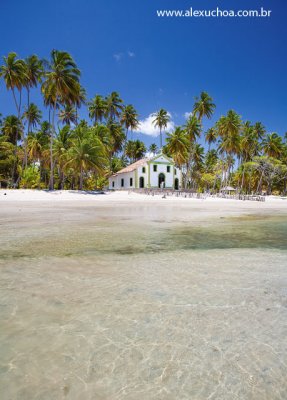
87	154
140	149
60	86
229	129
161	120
79	100
135	150
97	108
33	70
61	146
211	137
177	145
114	105
272	145
249	143
33	116
12	128
129	118
211	159
192	128
203	106
259	130
153	149
68	115
14	73
7	159
117	136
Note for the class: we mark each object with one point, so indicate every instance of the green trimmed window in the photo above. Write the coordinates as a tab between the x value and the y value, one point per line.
168	168
143	170
154	168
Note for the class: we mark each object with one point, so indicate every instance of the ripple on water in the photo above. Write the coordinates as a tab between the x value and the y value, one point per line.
137	311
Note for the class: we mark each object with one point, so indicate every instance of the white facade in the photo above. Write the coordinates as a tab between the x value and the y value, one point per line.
157	172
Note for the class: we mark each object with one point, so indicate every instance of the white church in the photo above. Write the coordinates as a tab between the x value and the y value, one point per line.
157	172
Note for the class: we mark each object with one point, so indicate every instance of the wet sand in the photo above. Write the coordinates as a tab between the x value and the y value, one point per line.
130	297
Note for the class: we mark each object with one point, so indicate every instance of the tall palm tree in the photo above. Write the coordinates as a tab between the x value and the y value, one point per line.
68	115
161	120
129	118
97	108
60	86
114	106
203	106
229	129
14	73
34	70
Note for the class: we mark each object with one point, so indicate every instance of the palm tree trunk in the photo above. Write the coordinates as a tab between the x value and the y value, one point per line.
160	134
81	178
242	181
15	100
259	183
52	131
16	140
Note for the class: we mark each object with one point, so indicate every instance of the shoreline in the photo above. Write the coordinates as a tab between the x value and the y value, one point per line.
31	195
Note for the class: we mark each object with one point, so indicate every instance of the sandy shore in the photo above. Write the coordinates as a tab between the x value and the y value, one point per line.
27	195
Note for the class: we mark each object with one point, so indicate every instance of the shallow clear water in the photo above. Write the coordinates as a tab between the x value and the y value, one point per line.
142	304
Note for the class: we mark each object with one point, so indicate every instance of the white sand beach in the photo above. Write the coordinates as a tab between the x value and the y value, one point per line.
124	296
28	195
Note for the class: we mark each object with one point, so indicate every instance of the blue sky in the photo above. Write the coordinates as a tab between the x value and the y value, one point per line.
160	62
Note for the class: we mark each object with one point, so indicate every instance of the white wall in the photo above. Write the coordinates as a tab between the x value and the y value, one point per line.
161	168
142	174
117	179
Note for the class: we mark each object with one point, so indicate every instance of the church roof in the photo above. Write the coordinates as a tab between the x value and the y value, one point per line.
133	166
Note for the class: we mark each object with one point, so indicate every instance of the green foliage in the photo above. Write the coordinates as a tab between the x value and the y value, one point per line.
30	178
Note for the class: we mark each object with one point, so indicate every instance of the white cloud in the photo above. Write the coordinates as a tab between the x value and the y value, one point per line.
187	115
147	127
118	56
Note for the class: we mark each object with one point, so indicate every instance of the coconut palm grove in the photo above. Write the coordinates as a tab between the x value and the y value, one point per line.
67	152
